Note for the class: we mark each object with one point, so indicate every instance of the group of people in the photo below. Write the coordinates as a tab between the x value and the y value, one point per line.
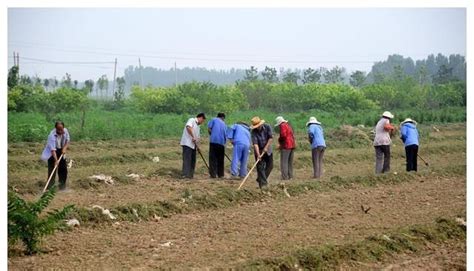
258	136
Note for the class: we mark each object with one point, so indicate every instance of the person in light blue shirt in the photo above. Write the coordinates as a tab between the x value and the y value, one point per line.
318	145
409	136
239	135
217	131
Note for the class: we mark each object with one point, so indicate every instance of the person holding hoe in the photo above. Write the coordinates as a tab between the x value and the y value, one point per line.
54	152
262	143
217	140
286	145
318	145
383	130
409	136
239	136
189	142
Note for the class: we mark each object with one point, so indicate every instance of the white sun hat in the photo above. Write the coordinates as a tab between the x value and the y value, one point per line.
408	120
387	114
279	120
312	120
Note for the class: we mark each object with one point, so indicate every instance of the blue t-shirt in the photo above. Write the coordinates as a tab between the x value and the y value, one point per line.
409	134
316	132
218	130
240	133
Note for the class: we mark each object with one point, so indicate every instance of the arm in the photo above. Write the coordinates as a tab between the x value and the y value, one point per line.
189	129
66	145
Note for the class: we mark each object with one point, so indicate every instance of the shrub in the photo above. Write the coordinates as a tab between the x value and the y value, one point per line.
25	223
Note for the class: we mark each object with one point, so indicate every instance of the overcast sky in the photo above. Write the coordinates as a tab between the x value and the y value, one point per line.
85	42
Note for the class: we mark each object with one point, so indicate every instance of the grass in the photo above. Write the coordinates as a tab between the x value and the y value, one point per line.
372	249
128	124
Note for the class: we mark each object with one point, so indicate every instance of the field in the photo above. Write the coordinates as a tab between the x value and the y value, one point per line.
164	222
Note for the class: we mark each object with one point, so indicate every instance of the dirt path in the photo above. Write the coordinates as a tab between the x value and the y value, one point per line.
227	237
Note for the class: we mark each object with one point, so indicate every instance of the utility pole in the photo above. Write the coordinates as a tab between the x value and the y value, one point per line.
175	75
14	59
141	74
113	84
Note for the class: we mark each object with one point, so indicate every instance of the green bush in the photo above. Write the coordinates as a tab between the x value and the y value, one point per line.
25	223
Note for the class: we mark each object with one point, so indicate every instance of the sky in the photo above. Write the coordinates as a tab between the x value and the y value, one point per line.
84	42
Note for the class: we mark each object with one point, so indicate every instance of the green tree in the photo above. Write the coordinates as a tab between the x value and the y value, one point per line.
311	76
291	77
357	79
103	83
334	75
67	82
444	75
13	77
89	85
270	75
46	83
25	80
251	74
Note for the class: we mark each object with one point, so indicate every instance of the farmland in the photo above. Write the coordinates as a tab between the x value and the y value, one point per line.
163	221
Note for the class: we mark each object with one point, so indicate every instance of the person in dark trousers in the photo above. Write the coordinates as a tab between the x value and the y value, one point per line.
57	144
318	145
383	130
217	131
189	142
286	145
409	136
262	143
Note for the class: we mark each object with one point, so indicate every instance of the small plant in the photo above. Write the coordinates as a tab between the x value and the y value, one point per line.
26	224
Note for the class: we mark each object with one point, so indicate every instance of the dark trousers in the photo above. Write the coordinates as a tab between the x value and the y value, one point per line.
61	170
382	159
264	168
411	152
286	163
216	160
317	157
189	162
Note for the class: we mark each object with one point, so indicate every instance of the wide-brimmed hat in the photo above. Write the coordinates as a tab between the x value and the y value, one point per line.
256	122
387	115
312	120
408	120
279	120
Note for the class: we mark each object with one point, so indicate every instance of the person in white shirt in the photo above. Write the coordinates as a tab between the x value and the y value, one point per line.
189	141
383	130
57	144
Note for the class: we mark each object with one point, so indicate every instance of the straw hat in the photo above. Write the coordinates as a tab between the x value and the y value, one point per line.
256	122
387	115
408	120
279	120
312	120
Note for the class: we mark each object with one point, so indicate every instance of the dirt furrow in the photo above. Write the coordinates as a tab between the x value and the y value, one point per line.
270	228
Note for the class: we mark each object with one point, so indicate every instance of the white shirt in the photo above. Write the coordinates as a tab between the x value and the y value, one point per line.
382	137
52	144
187	139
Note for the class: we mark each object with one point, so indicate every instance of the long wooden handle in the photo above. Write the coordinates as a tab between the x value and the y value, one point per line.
199	150
52	173
250	171
426	163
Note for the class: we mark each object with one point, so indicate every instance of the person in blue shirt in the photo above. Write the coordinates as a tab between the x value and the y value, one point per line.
239	135
409	136
318	145
217	130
